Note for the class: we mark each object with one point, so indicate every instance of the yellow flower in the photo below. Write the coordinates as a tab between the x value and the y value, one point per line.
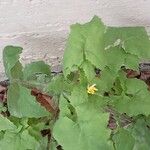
92	89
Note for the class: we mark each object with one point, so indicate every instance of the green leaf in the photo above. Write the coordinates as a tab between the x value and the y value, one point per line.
53	145
73	55
89	135
22	104
91	109
138	104
94	44
78	96
117	88
115	57
89	70
97	102
85	42
134	100
58	84
133	39
16	71
19	122
25	129
66	109
13	68
35	130
122	78
122	33
139	46
132	62
128	60
106	80
34	68
18	141
43	144
89	129
123	140
6	124
1	135
2	108
82	121
63	106
135	86
141	134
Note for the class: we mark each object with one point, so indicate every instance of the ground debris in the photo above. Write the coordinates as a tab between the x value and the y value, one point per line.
45	100
3	95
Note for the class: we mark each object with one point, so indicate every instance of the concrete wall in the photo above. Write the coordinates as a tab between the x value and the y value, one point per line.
41	26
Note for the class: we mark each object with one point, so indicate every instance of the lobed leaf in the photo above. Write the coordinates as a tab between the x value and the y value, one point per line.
84	134
85	43
134	40
6	124
22	104
34	68
141	134
123	140
13	67
18	141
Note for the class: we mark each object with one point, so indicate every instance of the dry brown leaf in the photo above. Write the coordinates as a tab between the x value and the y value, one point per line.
3	91
45	100
132	73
